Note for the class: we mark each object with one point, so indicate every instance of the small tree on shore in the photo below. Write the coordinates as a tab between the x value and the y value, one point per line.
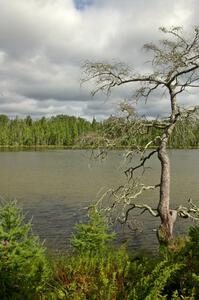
175	69
24	270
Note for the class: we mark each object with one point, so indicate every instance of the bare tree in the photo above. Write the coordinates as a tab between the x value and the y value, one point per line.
175	69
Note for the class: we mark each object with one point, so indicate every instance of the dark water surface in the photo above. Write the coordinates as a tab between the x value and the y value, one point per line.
54	186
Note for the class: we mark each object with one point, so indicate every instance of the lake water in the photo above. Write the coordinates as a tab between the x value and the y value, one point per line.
55	186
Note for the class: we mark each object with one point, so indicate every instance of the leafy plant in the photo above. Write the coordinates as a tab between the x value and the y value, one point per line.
151	286
89	275
184	283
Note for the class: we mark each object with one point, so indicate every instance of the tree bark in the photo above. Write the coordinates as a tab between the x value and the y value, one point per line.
165	232
168	217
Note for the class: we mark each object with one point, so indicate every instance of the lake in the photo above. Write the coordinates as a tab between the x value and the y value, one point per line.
55	186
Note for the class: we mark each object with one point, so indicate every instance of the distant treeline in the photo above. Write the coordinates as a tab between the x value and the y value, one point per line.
63	130
60	130
185	134
118	132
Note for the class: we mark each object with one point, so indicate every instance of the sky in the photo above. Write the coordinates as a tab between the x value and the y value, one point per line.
44	44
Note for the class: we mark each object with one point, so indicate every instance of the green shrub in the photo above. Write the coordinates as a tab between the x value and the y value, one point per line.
152	285
94	270
184	283
23	266
92	275
92	236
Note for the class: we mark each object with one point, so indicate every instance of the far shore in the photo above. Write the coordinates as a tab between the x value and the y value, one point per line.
75	147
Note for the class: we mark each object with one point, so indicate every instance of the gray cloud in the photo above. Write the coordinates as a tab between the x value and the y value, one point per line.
43	44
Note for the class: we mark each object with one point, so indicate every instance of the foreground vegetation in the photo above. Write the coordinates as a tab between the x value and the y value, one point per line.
94	268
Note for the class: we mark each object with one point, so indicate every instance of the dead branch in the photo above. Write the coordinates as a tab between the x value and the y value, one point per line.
129	172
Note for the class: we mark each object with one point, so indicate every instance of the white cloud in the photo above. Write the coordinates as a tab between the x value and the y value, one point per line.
43	44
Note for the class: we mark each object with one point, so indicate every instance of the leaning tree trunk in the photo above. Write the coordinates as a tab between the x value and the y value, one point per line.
168	217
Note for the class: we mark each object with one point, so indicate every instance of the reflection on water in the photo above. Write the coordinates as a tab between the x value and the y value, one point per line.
55	187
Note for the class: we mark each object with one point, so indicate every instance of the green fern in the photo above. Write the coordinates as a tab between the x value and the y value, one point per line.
151	286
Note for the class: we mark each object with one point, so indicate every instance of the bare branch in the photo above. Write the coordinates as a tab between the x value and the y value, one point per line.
130	170
143	207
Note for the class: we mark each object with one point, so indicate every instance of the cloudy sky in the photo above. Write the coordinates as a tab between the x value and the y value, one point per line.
44	43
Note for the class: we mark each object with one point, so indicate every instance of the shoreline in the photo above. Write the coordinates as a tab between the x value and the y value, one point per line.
76	147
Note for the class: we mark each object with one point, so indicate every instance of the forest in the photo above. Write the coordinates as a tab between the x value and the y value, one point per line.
59	130
63	130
